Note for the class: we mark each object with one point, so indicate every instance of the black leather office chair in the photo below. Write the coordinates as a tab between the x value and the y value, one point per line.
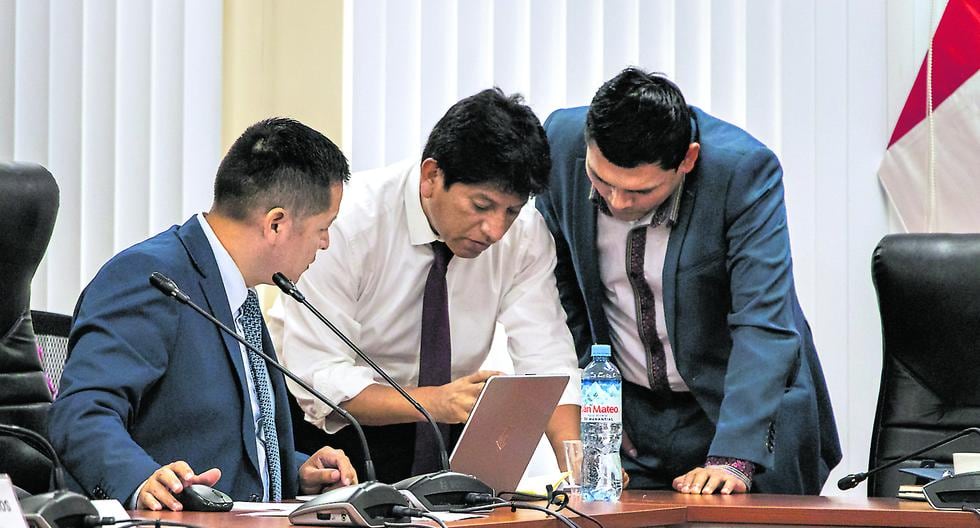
929	297
29	201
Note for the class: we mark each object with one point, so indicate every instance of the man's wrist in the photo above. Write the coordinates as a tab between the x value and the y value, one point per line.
742	469
430	398
134	501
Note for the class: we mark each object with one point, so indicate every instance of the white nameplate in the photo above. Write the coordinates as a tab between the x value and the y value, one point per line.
10	514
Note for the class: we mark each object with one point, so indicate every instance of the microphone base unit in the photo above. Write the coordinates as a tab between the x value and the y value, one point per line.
59	509
365	505
954	493
443	490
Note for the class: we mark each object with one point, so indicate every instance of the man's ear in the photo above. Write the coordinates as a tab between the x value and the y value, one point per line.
273	221
690	158
429	177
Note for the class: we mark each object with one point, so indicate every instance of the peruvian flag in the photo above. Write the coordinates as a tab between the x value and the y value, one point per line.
904	171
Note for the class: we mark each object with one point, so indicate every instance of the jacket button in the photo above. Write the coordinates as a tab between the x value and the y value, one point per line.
254	498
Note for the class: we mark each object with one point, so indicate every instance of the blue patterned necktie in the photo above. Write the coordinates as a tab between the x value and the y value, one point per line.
251	320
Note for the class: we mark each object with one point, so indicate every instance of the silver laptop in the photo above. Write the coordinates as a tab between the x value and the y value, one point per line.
505	427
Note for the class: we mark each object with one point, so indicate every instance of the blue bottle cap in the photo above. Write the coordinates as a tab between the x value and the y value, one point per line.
601	351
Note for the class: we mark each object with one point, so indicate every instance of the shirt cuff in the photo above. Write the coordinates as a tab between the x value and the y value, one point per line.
743	469
134	501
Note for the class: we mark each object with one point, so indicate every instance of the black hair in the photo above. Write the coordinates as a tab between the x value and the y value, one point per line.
278	162
491	139
638	117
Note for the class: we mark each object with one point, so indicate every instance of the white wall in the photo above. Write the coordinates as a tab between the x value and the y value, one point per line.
121	101
820	81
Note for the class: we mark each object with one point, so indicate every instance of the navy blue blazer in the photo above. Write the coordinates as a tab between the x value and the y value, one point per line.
149	381
739	337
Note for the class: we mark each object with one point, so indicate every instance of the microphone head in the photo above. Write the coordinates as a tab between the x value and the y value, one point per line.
287	286
167	286
162	283
851	480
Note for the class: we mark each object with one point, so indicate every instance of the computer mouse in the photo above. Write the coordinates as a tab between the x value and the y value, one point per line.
198	497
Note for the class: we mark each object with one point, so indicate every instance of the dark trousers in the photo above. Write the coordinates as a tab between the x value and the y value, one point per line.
670	432
392	446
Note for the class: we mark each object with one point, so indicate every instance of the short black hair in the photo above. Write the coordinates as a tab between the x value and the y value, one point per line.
278	162
491	139
637	118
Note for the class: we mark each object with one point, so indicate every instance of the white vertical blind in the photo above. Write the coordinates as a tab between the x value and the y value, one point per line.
30	82
828	305
476	45
547	53
132	122
819	81
402	47
692	49
64	147
201	105
120	100
98	125
7	22
512	33
369	84
439	83
164	126
728	71
583	49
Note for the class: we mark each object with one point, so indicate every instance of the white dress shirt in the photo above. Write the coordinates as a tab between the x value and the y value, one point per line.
370	282
620	301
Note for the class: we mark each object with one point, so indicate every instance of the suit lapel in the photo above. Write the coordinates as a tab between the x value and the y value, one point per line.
675	242
583	227
213	288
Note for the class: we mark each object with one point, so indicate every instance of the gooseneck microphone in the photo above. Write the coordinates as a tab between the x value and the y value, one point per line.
365	504
169	287
854	479
440	491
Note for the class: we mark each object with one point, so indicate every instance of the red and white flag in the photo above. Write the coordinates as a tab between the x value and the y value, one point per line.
904	171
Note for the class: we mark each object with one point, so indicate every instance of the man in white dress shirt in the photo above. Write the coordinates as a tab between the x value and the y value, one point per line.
482	162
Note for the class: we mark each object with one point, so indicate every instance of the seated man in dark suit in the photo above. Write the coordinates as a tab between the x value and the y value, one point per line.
152	391
673	247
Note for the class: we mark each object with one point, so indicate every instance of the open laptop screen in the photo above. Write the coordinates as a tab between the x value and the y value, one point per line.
505	427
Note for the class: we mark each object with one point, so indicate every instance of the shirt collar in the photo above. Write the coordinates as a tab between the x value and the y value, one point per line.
231	276
419	230
666	213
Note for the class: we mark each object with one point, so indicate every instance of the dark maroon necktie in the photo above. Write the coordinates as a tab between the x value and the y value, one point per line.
435	354
646	309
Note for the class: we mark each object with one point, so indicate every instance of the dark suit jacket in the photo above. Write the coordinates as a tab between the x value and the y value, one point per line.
149	381
740	339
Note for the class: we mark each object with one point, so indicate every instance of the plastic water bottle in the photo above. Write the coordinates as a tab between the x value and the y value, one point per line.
602	428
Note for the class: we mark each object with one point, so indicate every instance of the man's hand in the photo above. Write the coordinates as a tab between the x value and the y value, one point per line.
707	480
454	401
157	492
327	468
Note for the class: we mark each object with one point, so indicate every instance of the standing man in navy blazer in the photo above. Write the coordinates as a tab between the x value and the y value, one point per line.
672	246
152	391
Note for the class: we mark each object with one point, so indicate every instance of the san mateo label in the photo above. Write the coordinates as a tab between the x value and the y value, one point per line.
600	413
